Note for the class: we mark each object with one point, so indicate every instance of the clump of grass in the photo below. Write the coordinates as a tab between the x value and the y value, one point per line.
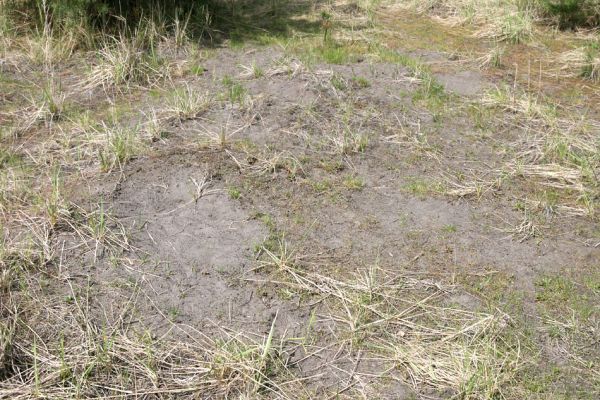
220	139
123	61
49	107
493	59
6	26
515	28
321	186
326	25
338	82
527	228
353	183
423	187
476	188
187	103
361	82
8	157
234	193
253	71
236	92
334	53
154	126
591	69
121	145
198	70
54	202
349	140
272	164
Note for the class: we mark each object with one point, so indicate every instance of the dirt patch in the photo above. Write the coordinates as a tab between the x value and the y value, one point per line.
193	247
463	83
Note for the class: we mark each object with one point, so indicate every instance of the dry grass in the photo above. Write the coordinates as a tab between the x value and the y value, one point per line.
559	147
409	134
526	229
552	175
187	103
125	61
504	20
582	62
91	358
404	324
476	188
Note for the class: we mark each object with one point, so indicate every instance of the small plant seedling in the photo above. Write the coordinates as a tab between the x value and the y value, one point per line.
173	313
321	186
234	193
449	228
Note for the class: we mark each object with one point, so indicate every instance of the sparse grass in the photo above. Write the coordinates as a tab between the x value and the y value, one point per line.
505	20
45	46
406	329
560	153
225	364
371	323
569	318
430	90
312	51
45	49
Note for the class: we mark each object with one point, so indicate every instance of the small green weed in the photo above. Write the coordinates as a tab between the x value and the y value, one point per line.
234	193
361	82
353	183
